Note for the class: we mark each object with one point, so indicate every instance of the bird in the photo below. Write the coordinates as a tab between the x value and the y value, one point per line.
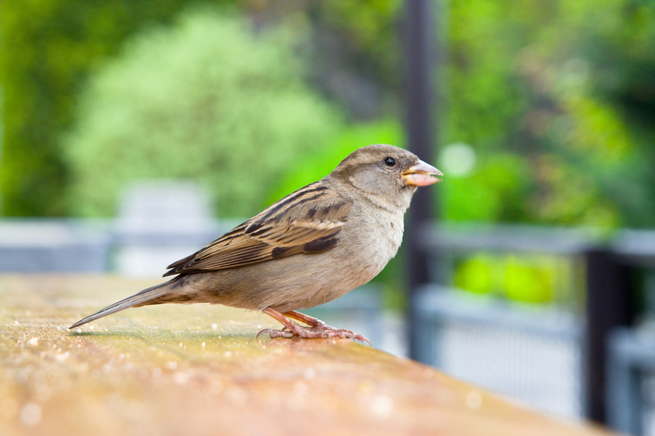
311	247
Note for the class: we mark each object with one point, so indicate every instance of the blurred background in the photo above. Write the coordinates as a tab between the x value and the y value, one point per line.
134	132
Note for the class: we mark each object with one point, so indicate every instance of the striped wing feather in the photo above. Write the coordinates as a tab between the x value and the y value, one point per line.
306	221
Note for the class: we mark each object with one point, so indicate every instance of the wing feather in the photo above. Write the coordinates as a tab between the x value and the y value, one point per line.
306	221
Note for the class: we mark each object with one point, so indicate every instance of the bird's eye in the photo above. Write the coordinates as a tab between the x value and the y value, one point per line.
389	161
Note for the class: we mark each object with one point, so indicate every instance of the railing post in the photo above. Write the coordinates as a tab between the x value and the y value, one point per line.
420	138
609	304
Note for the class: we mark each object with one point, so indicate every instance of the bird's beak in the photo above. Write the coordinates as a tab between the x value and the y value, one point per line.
422	174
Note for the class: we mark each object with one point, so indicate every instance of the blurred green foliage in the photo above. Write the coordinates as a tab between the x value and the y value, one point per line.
49	47
555	99
370	30
531	282
527	278
204	98
494	191
529	87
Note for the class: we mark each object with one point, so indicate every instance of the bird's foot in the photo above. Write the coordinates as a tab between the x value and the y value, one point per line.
320	331
315	330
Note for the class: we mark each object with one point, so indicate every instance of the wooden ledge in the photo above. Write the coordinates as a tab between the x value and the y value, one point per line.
198	370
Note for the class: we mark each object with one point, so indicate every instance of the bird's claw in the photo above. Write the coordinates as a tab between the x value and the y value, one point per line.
344	334
283	333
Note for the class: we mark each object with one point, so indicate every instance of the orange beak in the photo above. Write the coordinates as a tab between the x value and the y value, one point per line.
422	174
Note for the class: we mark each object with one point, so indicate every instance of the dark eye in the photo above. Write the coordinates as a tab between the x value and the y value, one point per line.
389	161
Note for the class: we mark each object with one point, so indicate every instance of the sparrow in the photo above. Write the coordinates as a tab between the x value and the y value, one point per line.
311	247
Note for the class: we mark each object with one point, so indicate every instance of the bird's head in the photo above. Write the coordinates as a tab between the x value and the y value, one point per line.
386	170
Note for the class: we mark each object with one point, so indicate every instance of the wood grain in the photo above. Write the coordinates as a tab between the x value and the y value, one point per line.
198	370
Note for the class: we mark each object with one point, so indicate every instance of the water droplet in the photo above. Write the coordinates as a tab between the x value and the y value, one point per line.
381	405
180	378
61	357
30	414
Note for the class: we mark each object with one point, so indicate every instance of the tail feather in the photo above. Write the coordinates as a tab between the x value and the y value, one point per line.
135	300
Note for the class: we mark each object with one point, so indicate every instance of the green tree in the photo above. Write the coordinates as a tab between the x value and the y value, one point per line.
205	98
532	79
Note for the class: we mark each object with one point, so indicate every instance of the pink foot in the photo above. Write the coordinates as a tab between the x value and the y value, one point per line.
318	331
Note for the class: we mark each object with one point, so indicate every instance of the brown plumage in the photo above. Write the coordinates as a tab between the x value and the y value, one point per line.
311	247
306	221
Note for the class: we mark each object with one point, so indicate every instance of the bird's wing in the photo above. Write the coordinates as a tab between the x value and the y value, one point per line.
306	221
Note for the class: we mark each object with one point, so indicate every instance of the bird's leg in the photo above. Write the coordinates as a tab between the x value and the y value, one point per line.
316	329
309	320
286	332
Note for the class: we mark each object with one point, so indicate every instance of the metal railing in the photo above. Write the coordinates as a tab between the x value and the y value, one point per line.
607	302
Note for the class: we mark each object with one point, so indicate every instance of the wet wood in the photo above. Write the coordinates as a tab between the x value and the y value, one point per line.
198	370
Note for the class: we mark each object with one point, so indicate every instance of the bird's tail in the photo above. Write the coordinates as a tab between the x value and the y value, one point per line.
135	300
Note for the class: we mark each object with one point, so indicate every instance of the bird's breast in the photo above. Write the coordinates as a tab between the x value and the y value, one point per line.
372	241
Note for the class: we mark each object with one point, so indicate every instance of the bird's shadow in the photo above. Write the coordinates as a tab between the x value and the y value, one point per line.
149	337
164	334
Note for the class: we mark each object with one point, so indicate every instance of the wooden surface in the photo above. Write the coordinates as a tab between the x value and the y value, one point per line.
198	370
